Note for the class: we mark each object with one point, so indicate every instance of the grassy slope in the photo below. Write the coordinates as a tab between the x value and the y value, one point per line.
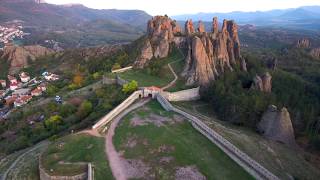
77	148
278	158
146	79
191	148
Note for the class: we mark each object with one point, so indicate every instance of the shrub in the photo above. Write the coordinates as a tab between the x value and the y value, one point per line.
53	122
130	87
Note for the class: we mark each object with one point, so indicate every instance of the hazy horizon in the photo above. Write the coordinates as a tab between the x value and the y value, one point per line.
191	6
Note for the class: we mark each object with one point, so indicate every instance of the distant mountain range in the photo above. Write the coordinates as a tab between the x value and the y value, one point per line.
75	24
307	17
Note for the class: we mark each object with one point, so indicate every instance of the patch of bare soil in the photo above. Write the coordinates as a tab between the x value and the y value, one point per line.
131	142
189	172
156	120
166	160
136	168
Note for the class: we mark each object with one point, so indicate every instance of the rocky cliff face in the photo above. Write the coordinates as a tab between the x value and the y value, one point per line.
263	83
303	43
315	53
19	56
220	52
276	125
161	32
209	54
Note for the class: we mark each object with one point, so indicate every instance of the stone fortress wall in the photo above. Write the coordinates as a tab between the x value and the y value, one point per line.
250	165
83	176
184	95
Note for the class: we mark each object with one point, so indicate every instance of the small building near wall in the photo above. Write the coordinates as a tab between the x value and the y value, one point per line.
151	91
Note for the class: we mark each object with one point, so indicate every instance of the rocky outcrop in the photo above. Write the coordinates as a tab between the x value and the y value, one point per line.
315	53
161	33
263	84
209	54
220	52
303	43
201	28
276	125
19	56
189	28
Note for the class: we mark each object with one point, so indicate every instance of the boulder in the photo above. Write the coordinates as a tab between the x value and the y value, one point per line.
276	125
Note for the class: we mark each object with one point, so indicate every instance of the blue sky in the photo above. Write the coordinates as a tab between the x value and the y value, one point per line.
176	7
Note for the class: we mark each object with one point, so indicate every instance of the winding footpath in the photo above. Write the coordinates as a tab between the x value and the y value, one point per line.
115	163
175	77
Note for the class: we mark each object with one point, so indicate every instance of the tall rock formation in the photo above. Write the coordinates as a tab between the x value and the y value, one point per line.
263	84
209	54
19	56
201	28
303	43
221	49
315	53
161	32
276	125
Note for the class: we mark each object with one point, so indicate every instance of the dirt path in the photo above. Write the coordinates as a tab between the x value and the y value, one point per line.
92	132
117	168
175	77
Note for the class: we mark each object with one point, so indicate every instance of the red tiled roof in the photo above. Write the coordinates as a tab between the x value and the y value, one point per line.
153	88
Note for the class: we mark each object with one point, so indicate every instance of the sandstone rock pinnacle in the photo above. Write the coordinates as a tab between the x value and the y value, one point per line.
276	125
189	28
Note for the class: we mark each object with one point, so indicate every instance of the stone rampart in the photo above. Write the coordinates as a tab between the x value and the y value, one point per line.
126	103
250	165
184	95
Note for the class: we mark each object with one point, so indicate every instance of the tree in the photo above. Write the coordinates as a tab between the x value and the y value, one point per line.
53	122
130	87
78	79
116	66
84	109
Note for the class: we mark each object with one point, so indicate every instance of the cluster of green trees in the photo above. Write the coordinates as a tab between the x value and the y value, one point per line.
234	100
54	119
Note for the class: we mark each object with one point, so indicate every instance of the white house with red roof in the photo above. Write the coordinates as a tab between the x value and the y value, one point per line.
13	86
24	77
22	101
36	92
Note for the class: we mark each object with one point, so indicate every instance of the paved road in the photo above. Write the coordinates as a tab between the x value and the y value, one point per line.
118	170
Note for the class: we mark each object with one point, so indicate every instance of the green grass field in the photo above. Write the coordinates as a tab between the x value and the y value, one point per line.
285	162
80	149
190	147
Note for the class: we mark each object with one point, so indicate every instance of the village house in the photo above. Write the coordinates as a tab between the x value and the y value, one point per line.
24	77
50	76
3	83
36	92
10	100
42	86
13	86
22	101
12	79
